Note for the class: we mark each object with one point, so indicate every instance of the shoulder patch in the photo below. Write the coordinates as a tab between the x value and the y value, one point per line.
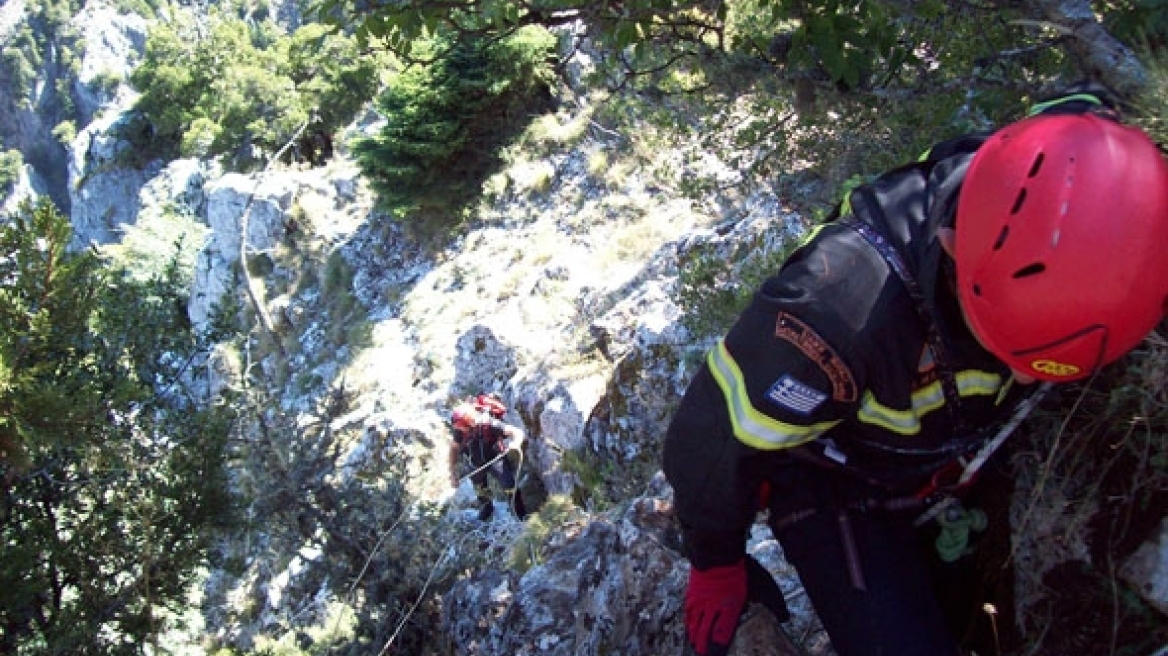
791	329
795	395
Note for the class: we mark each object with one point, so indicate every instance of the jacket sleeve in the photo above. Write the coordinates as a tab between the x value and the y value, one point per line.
766	387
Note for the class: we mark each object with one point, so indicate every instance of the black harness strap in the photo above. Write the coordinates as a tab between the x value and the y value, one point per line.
936	343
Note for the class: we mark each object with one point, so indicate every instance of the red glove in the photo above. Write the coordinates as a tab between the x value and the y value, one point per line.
714	600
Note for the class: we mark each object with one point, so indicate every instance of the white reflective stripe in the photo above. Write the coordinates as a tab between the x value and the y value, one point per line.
925	400
752	427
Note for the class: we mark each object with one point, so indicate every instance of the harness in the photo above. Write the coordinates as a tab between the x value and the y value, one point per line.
940	494
480	442
935	341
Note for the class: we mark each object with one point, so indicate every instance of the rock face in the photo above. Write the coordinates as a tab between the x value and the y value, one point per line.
28	186
562	296
237	204
612	585
107	45
114	44
609	587
103	192
1147	569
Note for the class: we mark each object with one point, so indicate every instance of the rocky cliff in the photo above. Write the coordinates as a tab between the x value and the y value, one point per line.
561	296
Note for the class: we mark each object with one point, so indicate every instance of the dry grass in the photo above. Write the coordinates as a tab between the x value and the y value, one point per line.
1095	482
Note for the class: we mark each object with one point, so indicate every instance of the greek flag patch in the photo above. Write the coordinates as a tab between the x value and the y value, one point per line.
795	396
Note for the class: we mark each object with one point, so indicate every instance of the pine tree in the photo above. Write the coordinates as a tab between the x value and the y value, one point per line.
111	480
447	121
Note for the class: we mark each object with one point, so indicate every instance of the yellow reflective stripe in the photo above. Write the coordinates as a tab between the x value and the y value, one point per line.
925	400
752	427
1082	97
972	382
815	230
851	184
872	412
1002	393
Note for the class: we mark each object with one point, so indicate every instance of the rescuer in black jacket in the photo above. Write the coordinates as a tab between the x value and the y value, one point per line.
887	345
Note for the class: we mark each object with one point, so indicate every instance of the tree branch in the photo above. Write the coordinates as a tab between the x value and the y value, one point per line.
249	283
1102	55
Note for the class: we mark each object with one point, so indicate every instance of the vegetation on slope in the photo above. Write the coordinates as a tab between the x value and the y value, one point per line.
242	89
448	120
112	481
814	92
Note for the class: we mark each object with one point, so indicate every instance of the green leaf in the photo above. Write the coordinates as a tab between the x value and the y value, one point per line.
513	14
625	34
931	9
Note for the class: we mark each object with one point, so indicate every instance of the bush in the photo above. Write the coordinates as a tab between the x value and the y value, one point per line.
11	162
111	479
65	132
22	72
200	138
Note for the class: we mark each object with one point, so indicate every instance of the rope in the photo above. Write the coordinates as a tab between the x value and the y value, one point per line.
418	601
368	560
983	454
453	549
446	555
487	465
450	551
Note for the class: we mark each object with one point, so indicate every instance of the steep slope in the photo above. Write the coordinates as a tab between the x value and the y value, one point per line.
561	294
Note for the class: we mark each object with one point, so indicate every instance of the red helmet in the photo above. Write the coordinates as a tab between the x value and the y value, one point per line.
464	416
1062	243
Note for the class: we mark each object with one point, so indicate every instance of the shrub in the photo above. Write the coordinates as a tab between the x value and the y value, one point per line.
200	138
111	479
11	162
65	132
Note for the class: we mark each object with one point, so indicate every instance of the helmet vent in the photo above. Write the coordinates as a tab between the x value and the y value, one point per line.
1018	201
1001	240
1030	270
1035	166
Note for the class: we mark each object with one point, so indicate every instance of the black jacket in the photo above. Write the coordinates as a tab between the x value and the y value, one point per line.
833	352
483	441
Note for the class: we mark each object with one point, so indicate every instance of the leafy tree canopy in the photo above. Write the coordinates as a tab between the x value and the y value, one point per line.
110	476
244	90
852	44
845	40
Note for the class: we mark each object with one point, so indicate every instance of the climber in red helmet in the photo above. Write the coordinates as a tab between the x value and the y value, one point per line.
485	442
883	355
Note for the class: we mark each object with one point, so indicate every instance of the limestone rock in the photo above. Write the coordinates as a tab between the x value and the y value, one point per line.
1146	570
